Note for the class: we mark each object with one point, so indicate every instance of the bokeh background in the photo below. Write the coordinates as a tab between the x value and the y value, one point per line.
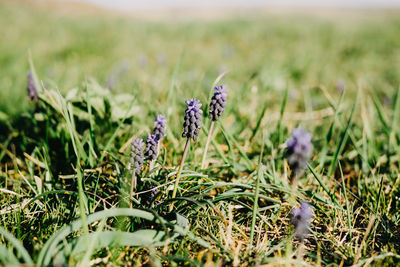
134	46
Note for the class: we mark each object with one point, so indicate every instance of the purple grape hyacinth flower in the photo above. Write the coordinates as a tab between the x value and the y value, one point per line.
32	90
151	147
299	150
218	102
193	117
301	217
137	155
160	127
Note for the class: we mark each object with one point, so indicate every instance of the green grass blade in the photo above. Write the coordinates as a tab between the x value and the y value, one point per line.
50	248
256	194
260	118
347	201
281	113
7	257
343	138
17	244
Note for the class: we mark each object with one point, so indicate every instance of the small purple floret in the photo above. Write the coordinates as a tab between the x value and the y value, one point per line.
137	155
151	147
299	150
193	117
218	102
301	217
160	127
32	90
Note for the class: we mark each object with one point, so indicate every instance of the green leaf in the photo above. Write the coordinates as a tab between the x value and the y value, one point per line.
17	244
6	256
51	247
140	238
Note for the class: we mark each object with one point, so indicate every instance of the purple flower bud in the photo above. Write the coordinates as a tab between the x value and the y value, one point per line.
137	155
160	127
301	217
32	90
299	150
192	124
218	102
340	85
150	151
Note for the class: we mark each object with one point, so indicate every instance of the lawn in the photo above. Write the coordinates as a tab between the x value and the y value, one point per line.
103	77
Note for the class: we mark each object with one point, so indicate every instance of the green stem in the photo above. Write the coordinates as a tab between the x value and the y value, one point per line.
178	175
256	197
203	161
133	187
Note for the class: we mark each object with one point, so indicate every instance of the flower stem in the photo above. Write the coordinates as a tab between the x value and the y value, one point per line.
133	187
203	161
178	175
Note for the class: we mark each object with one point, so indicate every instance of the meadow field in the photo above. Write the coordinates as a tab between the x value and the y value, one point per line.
102	77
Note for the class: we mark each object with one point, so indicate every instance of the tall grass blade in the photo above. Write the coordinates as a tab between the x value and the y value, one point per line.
17	244
343	137
256	193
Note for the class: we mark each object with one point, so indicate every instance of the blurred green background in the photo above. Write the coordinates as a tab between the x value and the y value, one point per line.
271	51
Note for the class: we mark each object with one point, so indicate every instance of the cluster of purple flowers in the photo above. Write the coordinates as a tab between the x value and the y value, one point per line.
151	147
137	155
299	150
218	102
160	127
152	142
154	139
299	146
301	217
193	113
193	117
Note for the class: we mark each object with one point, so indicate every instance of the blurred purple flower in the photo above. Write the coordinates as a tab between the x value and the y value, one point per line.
301	217
299	150
116	74
32	90
340	85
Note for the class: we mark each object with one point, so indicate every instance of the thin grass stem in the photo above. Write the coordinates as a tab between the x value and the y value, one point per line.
178	175
133	187
256	197
203	161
